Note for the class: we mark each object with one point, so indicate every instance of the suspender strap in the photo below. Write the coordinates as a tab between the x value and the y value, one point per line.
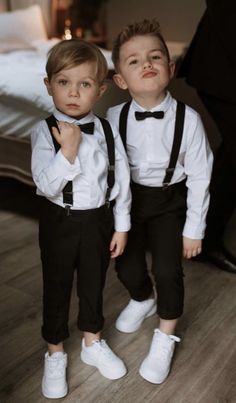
111	156
123	123
52	122
178	134
68	189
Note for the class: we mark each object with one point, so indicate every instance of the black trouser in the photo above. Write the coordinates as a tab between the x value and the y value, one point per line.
223	182
157	217
79	241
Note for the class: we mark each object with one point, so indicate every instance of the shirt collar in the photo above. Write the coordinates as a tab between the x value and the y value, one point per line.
163	106
65	118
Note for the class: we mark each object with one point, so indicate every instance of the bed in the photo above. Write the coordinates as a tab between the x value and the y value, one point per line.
24	44
23	97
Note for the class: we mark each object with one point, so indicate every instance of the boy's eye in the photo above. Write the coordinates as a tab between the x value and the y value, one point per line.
85	84
156	57
133	61
62	82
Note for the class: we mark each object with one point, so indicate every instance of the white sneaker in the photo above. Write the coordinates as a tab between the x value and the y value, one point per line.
54	383
102	357
133	315
156	366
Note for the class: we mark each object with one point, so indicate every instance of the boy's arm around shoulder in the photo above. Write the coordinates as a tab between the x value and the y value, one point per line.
198	162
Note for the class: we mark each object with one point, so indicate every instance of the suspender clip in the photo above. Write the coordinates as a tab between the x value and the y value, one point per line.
67	208
107	198
111	168
165	186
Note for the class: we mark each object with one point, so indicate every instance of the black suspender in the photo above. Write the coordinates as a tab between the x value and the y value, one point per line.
123	123
52	122
111	156
68	189
178	134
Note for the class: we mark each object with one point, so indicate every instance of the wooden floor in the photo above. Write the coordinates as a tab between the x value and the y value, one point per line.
204	366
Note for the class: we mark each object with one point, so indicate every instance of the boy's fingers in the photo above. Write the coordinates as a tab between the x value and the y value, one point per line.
112	245
55	133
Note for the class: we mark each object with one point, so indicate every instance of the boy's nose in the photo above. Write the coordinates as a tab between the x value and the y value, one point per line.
74	92
147	64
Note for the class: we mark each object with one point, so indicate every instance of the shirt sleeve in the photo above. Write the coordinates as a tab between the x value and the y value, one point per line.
113	115
198	167
121	193
50	170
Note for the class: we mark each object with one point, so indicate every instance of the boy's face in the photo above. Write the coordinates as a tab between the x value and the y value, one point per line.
75	90
144	68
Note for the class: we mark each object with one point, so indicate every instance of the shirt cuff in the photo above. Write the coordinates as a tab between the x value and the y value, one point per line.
194	231
63	168
122	223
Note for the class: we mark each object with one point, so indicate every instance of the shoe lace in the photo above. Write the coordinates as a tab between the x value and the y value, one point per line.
56	366
162	346
104	349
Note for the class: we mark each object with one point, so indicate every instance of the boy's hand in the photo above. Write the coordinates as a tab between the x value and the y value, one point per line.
118	242
191	247
69	139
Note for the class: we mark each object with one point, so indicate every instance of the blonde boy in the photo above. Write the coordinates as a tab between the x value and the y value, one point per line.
80	170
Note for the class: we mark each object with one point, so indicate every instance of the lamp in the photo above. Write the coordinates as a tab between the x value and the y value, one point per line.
67	30
63	18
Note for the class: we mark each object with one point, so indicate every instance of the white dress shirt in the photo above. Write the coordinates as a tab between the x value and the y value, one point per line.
149	144
51	171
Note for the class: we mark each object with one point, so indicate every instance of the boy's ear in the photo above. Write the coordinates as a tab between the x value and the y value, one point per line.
47	83
120	82
102	89
172	69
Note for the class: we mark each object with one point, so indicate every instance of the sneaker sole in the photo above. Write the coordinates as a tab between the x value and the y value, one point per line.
124	329
106	375
49	395
150	379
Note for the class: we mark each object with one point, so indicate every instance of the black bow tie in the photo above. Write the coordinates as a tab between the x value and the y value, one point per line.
87	128
147	114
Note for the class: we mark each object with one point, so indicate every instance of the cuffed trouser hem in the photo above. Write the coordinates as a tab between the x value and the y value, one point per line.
169	315
83	327
142	295
54	339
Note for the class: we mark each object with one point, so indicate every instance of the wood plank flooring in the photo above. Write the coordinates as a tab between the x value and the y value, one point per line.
204	366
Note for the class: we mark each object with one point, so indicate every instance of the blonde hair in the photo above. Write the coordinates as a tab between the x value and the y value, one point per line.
70	53
144	27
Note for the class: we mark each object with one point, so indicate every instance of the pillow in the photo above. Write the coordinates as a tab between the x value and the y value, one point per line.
8	45
26	24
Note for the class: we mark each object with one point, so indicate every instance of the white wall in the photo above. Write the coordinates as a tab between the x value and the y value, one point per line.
178	18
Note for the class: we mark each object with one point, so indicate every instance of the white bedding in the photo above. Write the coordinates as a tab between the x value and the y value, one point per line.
23	96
